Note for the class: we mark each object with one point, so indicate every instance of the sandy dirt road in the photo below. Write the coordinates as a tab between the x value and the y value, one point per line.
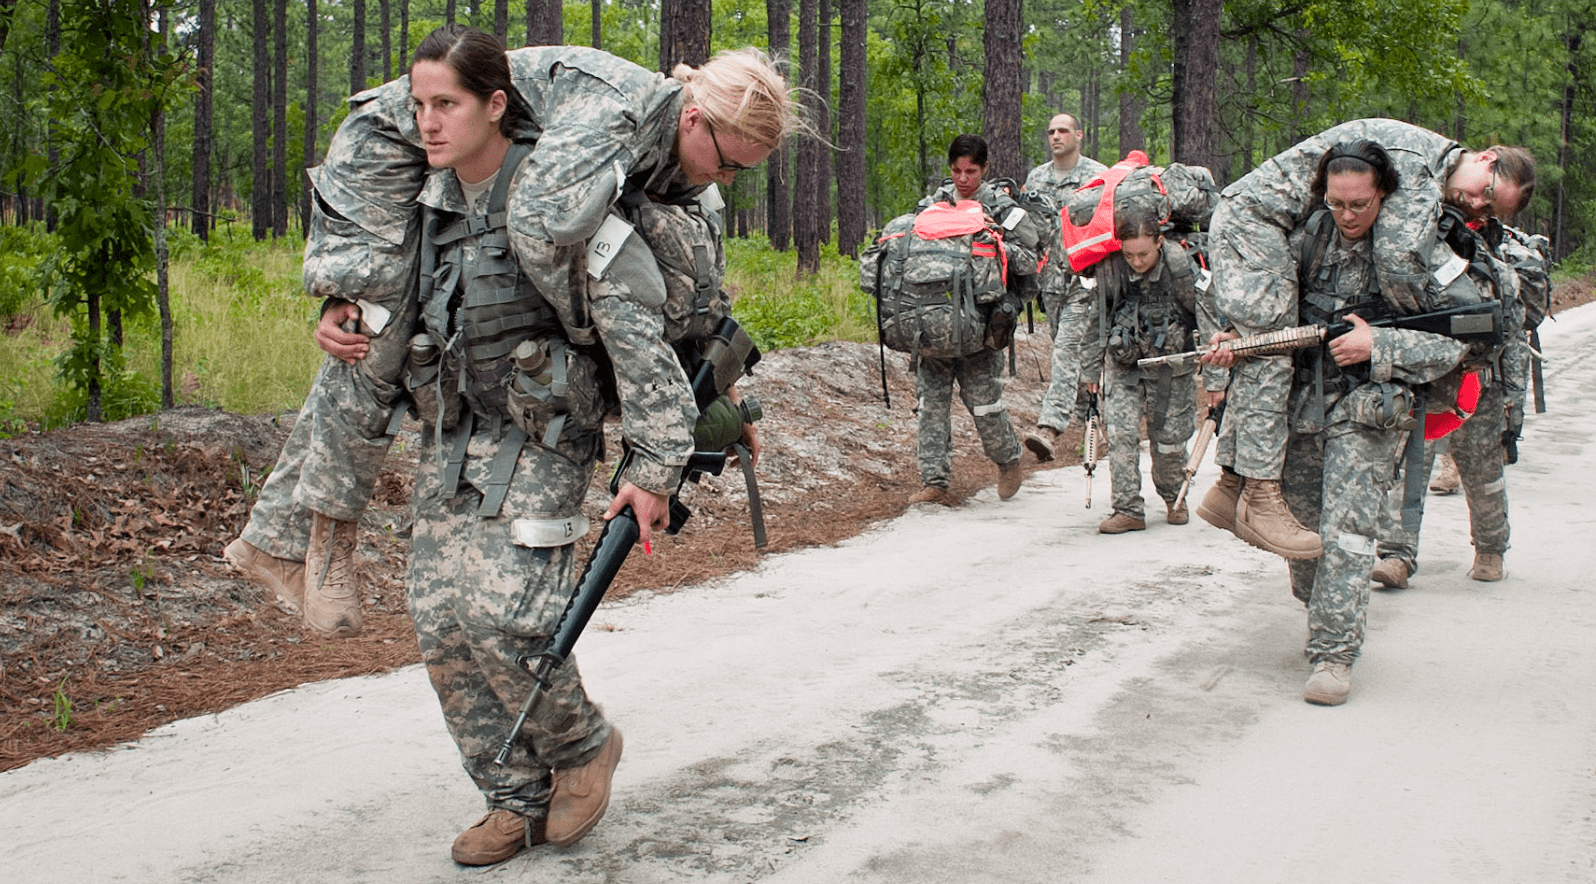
994	693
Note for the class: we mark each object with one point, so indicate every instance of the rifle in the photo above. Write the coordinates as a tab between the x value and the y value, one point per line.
1537	380
1471	323
1210	430
728	354
1089	453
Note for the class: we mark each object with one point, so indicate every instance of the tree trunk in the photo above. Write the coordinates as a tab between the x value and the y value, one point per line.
357	48
806	210
404	34
163	292
387	38
204	81
544	24
312	33
851	129
1195	26
1001	96
280	121
52	39
261	186
449	12
598	24
501	19
1301	64
684	32
778	204
1132	101
823	123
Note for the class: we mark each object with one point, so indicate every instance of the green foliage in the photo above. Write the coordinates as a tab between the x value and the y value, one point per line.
781	310
23	251
61	718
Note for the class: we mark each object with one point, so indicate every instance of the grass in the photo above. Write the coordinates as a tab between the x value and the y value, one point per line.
242	338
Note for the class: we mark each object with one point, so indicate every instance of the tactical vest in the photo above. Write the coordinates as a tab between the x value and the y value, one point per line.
1149	319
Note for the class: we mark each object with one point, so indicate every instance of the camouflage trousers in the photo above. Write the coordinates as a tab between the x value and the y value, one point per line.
329	463
1357	465
1476	448
980	381
1077	357
1252	438
1169	404
480	602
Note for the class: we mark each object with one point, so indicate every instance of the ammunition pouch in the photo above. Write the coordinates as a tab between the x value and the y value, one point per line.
1380	406
566	397
433	385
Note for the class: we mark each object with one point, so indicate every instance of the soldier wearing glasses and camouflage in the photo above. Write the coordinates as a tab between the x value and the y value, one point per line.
1255	289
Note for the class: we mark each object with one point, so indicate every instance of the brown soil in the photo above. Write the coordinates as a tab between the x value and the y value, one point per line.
118	613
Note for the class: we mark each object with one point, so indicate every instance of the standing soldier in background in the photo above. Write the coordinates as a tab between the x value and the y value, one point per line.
1486	440
1063	297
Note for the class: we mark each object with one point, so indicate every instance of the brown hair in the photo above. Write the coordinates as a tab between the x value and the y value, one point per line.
1136	220
478	59
1352	157
1518	166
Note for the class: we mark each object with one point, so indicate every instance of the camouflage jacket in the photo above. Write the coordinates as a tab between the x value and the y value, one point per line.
1057	187
1255	284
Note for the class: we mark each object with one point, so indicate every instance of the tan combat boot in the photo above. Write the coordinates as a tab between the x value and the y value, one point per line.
1487	567
1329	685
930	494
1177	514
1043	443
1391	573
580	795
283	578
332	600
1446	480
497	837
1119	523
1264	520
1218	507
1009	478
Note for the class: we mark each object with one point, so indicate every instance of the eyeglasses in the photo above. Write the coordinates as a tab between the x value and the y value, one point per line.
1357	208
725	165
1490	191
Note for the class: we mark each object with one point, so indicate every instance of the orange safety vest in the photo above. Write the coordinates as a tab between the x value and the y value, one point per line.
1468	399
965	218
1094	241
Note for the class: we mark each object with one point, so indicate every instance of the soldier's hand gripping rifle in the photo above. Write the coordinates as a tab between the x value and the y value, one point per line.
1210	429
1472	323
1089	452
718	420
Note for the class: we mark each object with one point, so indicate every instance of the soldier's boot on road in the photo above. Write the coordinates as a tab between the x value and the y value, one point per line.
1009	478
580	795
1119	523
1218	507
332	598
1042	442
1177	515
1446	480
1264	520
497	837
283	578
1329	685
930	494
1391	573
1487	567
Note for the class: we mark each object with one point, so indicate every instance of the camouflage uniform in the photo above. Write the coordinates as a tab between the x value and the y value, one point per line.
1166	395
1477	446
1066	302
363	243
979	375
1340	463
1255	275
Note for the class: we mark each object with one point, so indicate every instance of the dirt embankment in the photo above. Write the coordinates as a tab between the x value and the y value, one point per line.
118	613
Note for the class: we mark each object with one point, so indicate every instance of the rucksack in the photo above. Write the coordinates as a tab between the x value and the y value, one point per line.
935	276
1182	197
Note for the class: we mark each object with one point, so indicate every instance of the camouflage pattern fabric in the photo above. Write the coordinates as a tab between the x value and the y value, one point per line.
979	377
1336	477
1065	302
480	602
1255	273
1129	395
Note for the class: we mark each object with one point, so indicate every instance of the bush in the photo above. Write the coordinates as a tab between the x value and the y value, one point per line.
22	250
